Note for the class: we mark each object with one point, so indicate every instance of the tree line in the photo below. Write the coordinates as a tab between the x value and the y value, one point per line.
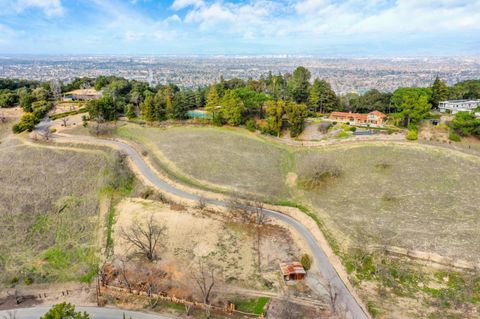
270	103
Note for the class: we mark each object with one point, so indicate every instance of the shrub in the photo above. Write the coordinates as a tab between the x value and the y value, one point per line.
251	125
372	309
306	261
317	174
64	310
412	135
28	281
342	134
27	123
353	128
454	137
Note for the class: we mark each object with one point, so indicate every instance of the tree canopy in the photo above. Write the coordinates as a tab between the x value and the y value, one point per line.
64	311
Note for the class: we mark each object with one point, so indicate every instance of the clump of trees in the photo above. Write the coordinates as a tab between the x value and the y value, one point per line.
271	104
64	310
466	124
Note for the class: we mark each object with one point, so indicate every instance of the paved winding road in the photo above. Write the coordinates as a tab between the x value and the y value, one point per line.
344	297
95	313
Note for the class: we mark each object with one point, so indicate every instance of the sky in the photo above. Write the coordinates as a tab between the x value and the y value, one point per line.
241	27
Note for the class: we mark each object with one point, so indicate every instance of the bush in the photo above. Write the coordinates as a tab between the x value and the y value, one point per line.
306	261
64	310
412	135
353	128
28	281
342	134
251	125
454	137
27	123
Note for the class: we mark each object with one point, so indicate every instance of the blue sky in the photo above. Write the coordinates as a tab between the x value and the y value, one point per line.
186	27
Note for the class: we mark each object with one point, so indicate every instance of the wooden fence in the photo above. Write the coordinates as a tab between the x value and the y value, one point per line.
229	308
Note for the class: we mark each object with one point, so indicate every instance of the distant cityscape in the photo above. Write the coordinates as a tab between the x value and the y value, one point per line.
345	74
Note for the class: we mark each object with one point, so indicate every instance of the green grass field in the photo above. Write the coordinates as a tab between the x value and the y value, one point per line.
49	215
254	305
411	196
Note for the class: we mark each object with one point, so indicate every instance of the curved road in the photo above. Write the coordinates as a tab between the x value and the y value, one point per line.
344	297
94	312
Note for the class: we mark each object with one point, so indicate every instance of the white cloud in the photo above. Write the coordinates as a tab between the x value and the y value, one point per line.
173	19
249	20
50	8
312	18
181	4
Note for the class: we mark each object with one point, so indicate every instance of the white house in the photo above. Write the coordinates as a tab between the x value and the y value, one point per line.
455	106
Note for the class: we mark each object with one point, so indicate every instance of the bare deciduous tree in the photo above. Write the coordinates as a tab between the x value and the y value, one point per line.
145	237
202	203
124	274
204	277
47	134
260	217
99	125
65	121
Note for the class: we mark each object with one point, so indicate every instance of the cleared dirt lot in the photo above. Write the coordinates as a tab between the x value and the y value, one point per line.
228	246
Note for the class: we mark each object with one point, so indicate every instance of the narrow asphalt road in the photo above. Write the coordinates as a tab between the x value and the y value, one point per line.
94	312
322	263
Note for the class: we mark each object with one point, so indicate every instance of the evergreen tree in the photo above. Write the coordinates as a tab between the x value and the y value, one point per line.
275	111
26	100
213	99
200	98
182	102
321	97
440	92
148	109
296	114
232	108
168	91
160	105
298	84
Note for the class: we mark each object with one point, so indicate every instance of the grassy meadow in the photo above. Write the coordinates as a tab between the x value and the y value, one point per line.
49	215
411	196
220	159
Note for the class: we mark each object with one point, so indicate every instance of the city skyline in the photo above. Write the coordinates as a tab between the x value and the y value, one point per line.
257	27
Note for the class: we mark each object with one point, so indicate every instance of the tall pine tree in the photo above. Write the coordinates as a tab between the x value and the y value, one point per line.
439	91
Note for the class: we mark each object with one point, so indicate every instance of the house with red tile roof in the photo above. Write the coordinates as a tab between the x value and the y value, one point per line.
375	118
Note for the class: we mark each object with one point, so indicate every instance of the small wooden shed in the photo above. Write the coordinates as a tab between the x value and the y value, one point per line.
292	271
